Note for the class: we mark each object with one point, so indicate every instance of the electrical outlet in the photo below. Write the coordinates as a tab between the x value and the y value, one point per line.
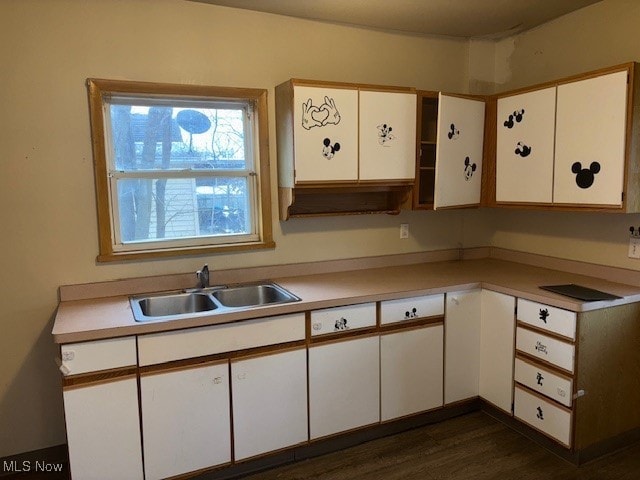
404	230
634	247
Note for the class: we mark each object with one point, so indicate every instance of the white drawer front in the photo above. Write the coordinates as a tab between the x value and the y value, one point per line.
543	415
337	319
197	342
557	320
545	348
392	311
98	355
543	381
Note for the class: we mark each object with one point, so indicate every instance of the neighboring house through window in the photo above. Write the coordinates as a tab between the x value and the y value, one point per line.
179	168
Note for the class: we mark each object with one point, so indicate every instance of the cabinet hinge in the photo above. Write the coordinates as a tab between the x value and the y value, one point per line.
513	407
515	310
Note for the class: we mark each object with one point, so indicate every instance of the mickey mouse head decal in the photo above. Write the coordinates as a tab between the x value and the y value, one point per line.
585	177
522	150
518	115
328	150
469	168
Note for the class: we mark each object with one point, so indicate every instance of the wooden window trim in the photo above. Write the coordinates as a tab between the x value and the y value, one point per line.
99	88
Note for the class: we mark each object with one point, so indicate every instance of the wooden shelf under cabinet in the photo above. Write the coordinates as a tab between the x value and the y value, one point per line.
319	200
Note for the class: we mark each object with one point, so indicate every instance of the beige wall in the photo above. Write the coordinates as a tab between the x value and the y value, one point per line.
47	205
598	36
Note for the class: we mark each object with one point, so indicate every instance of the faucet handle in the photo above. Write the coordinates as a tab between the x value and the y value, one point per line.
203	276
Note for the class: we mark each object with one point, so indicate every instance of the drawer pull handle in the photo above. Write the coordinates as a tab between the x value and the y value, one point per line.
317	326
539	379
544	314
579	393
540	413
413	313
341	324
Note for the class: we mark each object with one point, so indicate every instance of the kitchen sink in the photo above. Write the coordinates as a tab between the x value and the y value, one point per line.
207	301
253	295
170	305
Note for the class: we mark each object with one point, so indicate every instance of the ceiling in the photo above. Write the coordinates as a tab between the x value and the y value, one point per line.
458	18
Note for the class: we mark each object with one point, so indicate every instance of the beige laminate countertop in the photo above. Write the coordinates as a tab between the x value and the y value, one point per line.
94	319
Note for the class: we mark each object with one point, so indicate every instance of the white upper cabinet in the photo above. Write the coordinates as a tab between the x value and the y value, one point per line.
387	135
590	140
458	176
325	124
566	144
525	147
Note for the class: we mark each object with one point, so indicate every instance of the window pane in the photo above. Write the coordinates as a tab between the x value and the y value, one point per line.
165	137
176	208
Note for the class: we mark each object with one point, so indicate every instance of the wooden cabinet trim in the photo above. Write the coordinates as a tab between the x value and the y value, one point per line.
554	369
98	378
548	333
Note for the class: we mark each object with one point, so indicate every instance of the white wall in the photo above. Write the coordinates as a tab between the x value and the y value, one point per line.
47	202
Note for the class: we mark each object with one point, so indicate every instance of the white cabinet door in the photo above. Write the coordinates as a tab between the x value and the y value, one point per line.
590	140
459	153
344	385
185	419
497	349
525	147
462	345
269	402
325	134
410	371
103	430
387	135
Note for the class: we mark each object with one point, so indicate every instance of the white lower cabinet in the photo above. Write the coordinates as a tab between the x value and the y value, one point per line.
186	422
410	371
544	415
103	430
462	345
344	385
269	402
497	349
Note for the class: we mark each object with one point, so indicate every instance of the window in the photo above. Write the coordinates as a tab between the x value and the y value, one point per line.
179	169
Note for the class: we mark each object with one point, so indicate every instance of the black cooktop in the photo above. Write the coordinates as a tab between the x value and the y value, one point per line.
581	293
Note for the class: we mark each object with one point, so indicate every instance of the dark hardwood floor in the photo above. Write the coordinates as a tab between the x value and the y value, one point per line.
470	447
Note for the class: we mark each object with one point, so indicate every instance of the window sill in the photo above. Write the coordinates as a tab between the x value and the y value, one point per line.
182	251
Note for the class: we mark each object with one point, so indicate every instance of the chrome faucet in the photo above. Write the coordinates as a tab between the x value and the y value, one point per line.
203	276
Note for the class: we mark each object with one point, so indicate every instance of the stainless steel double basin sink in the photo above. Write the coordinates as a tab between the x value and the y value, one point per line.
207	301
